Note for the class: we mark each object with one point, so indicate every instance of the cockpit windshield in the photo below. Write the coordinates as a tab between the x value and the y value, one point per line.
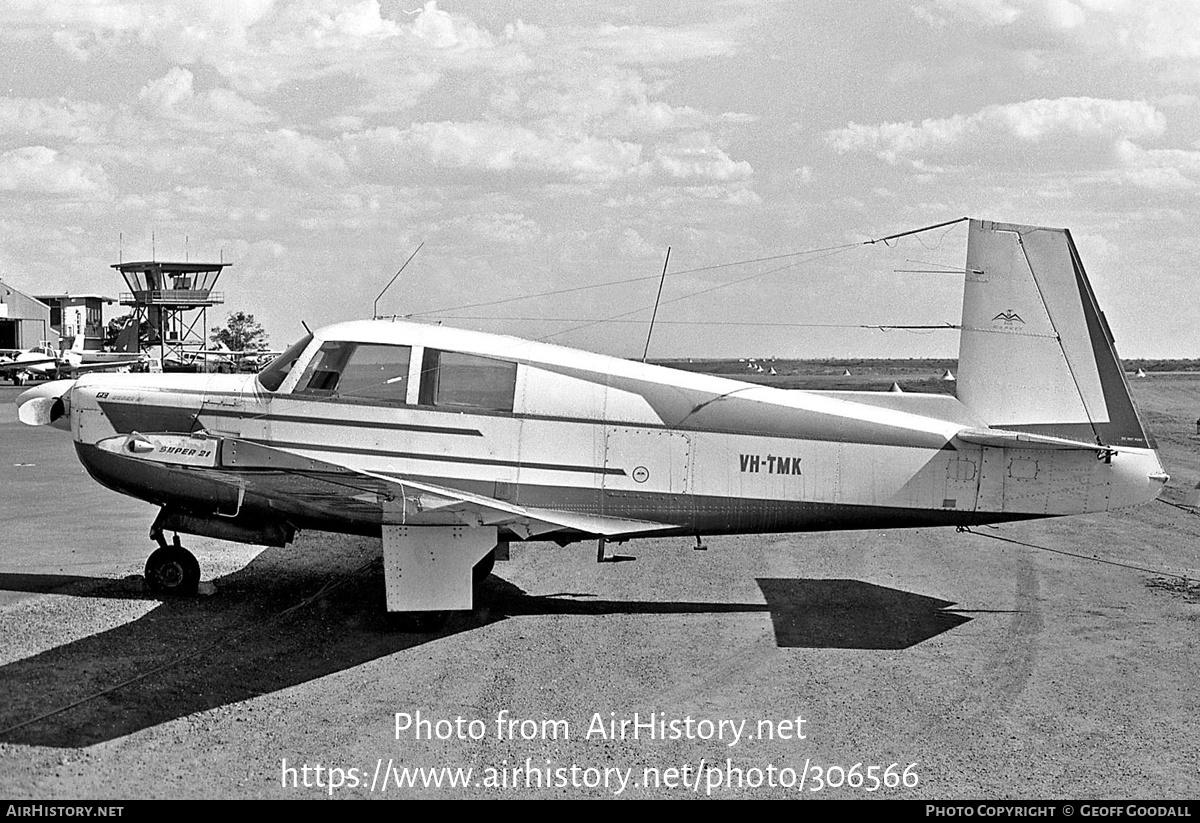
275	372
363	371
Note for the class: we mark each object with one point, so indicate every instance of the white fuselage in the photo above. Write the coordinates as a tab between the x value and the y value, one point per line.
603	436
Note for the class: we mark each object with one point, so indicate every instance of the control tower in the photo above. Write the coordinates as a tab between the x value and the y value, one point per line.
172	300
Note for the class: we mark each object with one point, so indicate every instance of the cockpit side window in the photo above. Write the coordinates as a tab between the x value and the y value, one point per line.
467	381
357	370
275	372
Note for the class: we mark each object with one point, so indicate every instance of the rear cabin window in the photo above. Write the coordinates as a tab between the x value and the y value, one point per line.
357	370
466	381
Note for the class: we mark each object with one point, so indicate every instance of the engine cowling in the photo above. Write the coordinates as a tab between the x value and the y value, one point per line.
46	405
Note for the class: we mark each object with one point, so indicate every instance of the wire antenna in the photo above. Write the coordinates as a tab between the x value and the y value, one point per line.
375	305
661	280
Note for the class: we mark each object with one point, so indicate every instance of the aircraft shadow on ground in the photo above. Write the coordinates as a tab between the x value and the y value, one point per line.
192	655
851	614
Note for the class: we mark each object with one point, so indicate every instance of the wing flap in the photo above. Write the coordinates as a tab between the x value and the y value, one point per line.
490	511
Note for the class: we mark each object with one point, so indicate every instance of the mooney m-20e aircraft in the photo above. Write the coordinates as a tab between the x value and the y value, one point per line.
448	443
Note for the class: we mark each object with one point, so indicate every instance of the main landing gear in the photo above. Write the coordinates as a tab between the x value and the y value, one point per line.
483	569
429	572
171	570
425	622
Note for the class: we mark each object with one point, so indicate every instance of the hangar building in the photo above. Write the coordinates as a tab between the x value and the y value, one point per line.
24	320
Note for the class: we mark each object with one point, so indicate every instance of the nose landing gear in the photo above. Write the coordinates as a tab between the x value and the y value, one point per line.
171	570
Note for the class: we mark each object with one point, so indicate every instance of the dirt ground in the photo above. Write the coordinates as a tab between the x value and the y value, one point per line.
1060	662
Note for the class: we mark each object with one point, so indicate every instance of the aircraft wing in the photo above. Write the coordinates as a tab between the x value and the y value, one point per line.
480	510
283	475
18	365
113	364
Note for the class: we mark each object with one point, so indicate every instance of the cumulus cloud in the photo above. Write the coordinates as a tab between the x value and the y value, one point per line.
174	96
655	44
1164	170
397	61
511	148
697	158
509	228
1148	29
608	101
496	147
56	118
1074	125
441	30
184	30
42	170
167	92
297	155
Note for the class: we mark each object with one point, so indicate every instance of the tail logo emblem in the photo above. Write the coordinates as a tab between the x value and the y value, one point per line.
1009	317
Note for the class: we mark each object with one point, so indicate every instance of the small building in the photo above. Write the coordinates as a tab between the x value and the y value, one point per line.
72	314
24	320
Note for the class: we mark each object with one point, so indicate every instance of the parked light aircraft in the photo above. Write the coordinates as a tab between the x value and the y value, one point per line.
448	443
22	364
220	358
48	363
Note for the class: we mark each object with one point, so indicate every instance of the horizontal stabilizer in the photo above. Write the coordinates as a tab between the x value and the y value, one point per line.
1000	438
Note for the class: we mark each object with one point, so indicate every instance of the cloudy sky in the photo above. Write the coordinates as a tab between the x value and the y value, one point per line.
547	146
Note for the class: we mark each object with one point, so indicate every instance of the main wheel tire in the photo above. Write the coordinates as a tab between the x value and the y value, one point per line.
172	571
420	622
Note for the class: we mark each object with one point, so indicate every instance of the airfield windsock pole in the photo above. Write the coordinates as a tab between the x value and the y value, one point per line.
661	280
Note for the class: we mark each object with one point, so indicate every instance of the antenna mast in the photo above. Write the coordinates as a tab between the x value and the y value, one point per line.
661	280
375	305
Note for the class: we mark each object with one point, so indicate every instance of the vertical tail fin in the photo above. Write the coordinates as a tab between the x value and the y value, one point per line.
1036	353
127	338
74	355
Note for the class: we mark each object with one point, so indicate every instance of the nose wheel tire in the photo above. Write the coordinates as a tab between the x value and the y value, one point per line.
173	571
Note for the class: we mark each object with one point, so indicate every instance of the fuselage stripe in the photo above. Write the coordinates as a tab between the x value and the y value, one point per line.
340	422
887	435
441	458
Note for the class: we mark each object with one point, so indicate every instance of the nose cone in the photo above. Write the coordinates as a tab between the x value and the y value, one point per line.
46	404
